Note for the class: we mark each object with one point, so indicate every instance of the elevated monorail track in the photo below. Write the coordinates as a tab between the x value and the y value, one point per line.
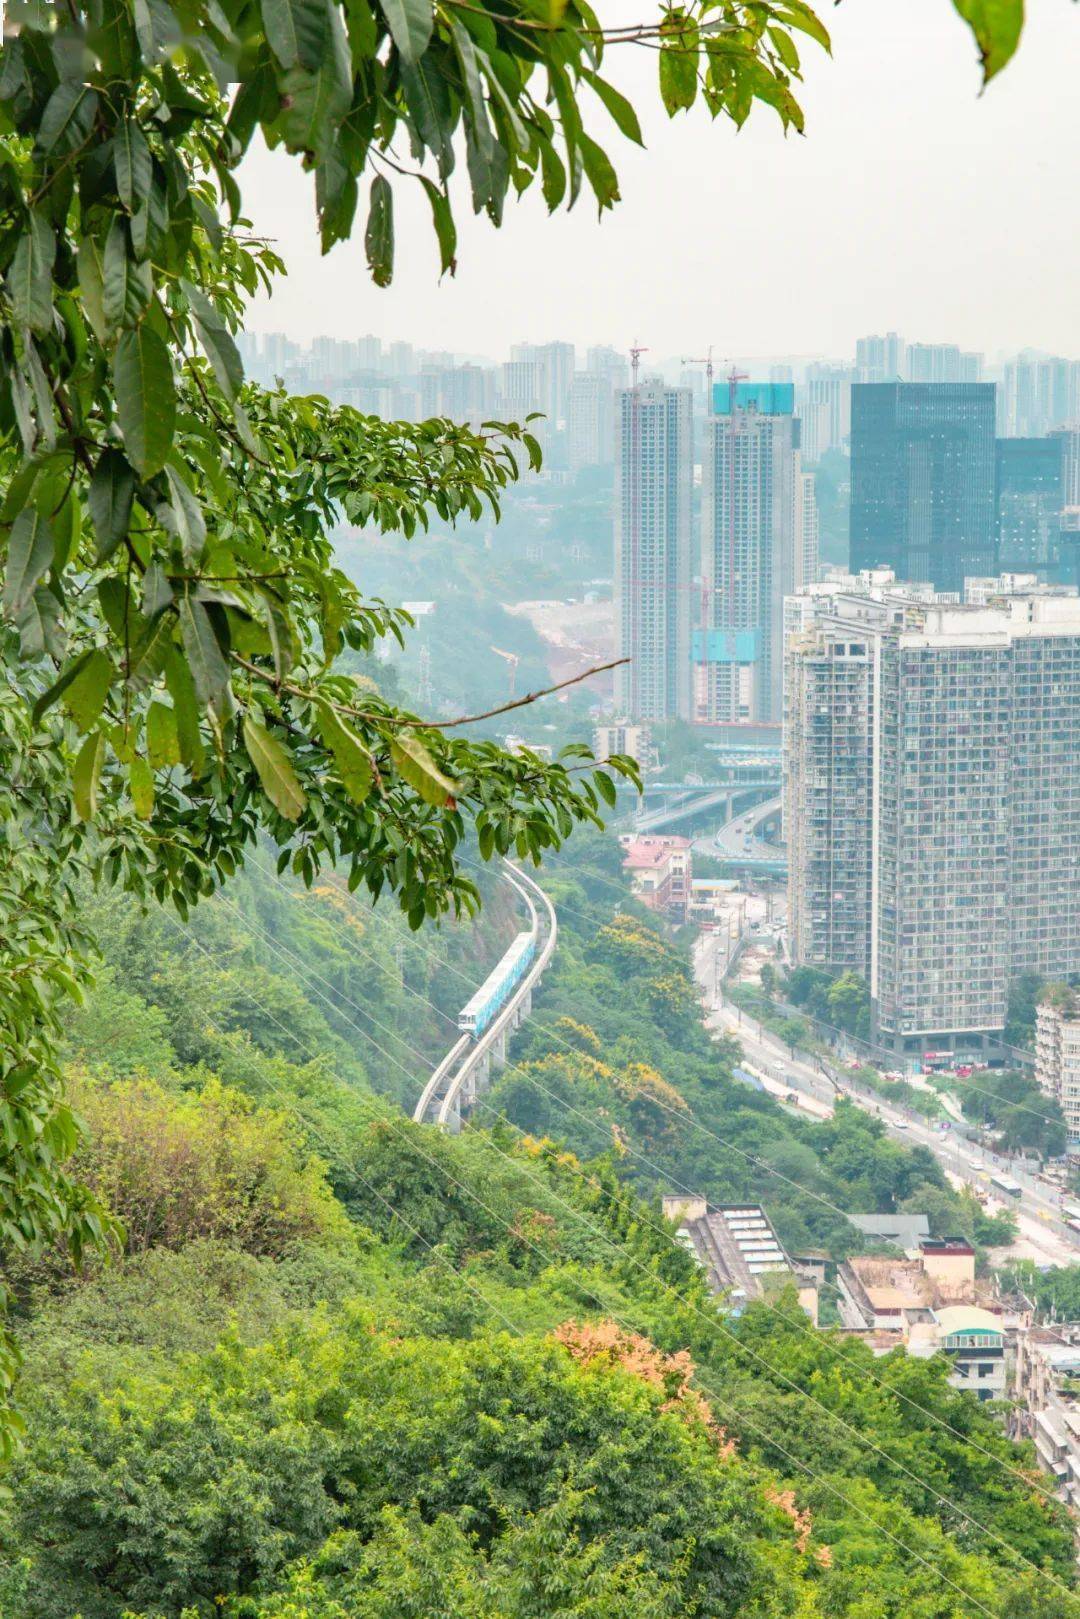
491	1016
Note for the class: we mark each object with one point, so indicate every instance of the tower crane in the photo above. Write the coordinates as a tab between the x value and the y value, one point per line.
512	660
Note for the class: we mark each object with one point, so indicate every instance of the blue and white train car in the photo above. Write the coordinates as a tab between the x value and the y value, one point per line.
498	986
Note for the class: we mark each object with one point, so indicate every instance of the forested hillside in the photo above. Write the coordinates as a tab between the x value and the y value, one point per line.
343	1367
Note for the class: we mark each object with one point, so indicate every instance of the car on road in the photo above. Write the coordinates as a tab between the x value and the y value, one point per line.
900	1124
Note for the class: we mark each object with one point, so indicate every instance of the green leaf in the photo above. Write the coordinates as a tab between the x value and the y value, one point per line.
141	787
224	357
40	625
428	100
181	689
110	496
617	105
129	282
86	776
602	176
206	661
59	686
352	759
132	164
190	523
415	765
162	738
410	23
678	61
85	696
997	26
360	25
317	102
145	398
30	556
297	31
797	14
379	236
157	591
445	229
29	280
92	286
67	120
275	770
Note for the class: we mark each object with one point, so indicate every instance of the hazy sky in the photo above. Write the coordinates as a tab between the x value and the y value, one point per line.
912	203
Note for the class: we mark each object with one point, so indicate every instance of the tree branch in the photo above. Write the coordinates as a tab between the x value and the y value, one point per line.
520	702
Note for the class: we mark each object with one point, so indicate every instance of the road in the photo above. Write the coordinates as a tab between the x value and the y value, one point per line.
1043	1235
731	838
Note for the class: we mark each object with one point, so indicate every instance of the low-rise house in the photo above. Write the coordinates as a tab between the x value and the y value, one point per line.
739	1251
661	872
933	1303
1047	1393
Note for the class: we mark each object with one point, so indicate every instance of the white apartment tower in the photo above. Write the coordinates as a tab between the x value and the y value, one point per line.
750	557
932	800
653	481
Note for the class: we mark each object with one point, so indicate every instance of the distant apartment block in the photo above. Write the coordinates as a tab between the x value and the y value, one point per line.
590	421
653	483
661	872
824	405
618	736
752	502
932	800
1038	393
1057	1060
923	480
881	359
942	362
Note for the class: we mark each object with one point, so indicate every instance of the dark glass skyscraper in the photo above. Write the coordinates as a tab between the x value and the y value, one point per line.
1030	495
922	480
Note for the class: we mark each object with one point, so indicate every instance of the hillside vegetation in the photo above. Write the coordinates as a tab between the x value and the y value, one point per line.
343	1366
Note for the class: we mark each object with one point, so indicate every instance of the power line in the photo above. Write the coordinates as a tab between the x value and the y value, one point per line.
769	1439
617	1248
670	1179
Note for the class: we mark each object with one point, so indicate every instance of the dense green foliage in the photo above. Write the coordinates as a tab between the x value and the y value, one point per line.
1054	1291
1014	1109
349	1368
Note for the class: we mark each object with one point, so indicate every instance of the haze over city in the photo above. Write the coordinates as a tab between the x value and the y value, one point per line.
912	202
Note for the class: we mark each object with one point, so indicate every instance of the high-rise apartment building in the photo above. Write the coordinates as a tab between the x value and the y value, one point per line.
590	421
604	361
807	530
1030	497
932	801
465	393
942	362
922	480
1038	393
824	405
554	370
1057	1059
653	482
881	359
751	553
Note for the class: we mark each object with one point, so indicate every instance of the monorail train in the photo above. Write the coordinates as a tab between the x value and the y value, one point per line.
498	986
